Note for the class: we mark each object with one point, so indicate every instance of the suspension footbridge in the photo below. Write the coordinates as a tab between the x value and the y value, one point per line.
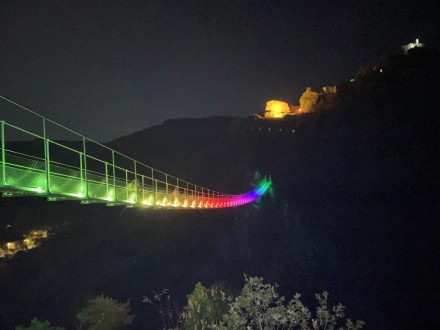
44	164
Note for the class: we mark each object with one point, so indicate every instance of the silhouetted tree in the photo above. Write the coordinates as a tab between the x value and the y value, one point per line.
105	313
259	306
205	306
171	317
308	100
38	325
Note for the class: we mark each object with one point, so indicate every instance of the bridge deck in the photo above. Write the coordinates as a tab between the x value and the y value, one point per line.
61	172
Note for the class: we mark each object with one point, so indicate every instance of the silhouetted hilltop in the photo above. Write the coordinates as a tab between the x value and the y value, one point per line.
386	117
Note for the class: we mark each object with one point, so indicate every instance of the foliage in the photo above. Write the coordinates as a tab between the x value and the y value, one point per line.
259	306
171	318
308	100
205	306
38	325
105	313
258	177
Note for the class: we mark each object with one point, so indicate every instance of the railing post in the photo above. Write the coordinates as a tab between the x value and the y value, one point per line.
106	179
136	188
126	184
177	187
166	184
143	190
155	192
47	165
114	177
152	185
46	156
81	170
3	154
152	177
86	192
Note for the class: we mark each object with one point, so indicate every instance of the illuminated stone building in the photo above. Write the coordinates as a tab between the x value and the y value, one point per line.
276	109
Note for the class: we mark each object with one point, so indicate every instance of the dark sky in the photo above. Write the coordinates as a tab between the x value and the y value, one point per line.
109	68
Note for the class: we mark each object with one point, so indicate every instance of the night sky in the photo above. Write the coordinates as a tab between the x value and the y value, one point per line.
110	68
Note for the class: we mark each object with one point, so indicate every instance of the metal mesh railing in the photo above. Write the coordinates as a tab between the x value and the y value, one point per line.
90	171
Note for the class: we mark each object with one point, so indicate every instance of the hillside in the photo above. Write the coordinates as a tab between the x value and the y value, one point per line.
355	212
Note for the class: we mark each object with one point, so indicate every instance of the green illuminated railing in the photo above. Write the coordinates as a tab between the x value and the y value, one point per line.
90	171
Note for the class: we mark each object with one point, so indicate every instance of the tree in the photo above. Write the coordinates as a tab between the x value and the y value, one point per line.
105	313
171	317
38	325
308	100
205	306
259	306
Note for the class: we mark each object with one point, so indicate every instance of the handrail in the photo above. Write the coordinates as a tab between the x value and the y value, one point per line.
23	130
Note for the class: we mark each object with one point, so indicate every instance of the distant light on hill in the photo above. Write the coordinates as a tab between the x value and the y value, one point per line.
412	45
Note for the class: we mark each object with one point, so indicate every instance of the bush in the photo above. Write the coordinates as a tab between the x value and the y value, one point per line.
38	325
205	306
259	306
105	313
